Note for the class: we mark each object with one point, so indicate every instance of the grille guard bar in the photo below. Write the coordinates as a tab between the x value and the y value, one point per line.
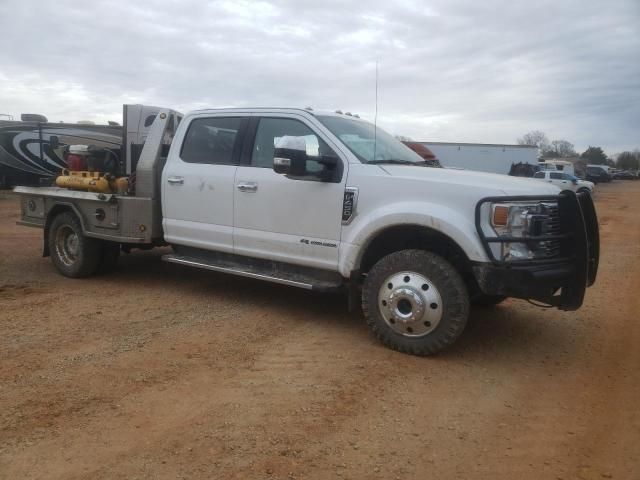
559	281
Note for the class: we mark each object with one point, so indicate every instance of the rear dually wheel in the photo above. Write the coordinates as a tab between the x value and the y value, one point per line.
73	254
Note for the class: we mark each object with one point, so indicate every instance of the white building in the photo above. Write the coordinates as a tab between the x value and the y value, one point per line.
483	157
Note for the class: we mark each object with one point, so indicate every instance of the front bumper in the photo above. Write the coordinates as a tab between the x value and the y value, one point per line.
560	281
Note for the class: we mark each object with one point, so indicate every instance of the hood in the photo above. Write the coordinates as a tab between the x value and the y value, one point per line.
586	183
505	184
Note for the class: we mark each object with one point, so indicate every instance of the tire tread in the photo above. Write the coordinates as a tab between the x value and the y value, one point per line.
90	249
451	287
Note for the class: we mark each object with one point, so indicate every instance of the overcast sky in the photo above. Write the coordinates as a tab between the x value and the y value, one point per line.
472	71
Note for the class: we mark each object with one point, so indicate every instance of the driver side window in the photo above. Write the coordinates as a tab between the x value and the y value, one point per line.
272	131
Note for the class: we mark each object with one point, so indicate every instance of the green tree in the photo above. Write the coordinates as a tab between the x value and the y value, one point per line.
595	156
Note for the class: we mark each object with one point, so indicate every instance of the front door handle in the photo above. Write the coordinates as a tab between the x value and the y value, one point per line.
175	180
247	186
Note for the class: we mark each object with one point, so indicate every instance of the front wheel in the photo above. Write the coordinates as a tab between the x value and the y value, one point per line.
415	302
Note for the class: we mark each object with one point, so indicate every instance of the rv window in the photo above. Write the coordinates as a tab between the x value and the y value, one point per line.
555	176
539	175
149	120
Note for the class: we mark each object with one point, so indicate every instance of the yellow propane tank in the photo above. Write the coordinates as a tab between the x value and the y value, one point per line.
89	181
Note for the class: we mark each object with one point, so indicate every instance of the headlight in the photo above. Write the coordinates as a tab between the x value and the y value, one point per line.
520	220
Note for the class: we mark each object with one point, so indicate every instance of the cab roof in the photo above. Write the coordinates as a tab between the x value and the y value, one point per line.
308	111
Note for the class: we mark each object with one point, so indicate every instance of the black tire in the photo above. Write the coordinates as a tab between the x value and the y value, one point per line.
581	190
73	254
487	300
109	257
449	286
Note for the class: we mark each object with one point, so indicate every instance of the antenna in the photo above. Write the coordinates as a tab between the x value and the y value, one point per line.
375	117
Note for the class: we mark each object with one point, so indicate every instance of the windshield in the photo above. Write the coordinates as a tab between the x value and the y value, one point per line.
368	145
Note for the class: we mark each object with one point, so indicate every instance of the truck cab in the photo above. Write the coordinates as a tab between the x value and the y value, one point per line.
329	202
564	181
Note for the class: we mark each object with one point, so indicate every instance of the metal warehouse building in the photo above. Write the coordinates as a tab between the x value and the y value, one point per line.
483	157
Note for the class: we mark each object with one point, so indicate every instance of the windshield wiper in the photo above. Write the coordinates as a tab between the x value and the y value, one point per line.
393	161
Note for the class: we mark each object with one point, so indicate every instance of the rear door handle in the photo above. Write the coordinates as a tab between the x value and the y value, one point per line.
175	180
247	186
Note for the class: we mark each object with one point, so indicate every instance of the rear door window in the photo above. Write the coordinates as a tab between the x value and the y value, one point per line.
212	140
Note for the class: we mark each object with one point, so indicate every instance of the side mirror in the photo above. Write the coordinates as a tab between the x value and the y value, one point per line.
287	162
330	162
282	165
290	156
575	182
296	166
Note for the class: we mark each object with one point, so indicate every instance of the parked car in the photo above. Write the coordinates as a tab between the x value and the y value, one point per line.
430	159
625	175
597	174
565	181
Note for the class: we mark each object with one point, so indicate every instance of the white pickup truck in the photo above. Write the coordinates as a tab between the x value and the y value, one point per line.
327	201
564	181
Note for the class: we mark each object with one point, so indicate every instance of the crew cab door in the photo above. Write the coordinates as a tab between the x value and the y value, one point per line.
558	178
198	182
294	220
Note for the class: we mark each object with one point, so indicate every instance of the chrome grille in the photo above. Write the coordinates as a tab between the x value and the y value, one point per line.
550	248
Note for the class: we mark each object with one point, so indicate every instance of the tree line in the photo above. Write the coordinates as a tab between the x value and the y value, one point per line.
628	160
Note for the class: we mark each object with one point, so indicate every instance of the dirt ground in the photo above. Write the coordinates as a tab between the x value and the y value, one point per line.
160	371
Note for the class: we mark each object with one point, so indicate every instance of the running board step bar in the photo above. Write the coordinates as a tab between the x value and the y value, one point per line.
274	275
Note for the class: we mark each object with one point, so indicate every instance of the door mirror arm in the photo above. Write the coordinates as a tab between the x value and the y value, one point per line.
330	162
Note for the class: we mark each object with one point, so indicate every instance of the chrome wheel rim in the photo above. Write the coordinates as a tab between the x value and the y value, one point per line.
410	304
67	245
